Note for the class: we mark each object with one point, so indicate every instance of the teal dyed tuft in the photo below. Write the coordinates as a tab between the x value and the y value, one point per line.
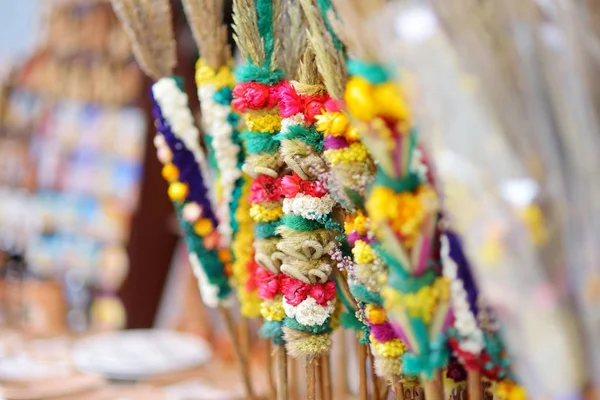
260	142
406	184
361	293
264	11
314	329
349	321
356	200
272	330
212	157
266	230
393	264
374	73
260	74
179	82
308	135
409	284
298	223
434	357
223	96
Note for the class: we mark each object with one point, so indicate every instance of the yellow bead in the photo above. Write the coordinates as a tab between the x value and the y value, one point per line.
375	315
225	255
177	191
203	227
359	99
170	172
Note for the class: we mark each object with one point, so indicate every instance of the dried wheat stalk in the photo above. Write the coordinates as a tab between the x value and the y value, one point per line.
330	62
149	26
278	33
206	21
246	34
292	31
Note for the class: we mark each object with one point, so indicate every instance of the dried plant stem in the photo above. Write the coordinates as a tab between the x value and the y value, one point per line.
293	374
241	356
374	380
341	377
362	370
475	390
282	382
326	388
311	378
434	388
385	389
269	364
398	388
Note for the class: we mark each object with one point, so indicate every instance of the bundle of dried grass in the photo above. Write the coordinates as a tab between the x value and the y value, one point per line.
149	25
330	61
210	33
246	34
291	29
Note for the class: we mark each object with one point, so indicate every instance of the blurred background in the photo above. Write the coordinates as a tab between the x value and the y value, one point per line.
89	242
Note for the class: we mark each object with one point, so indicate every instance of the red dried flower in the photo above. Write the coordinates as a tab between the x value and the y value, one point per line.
268	284
313	106
290	103
250	95
292	185
265	188
333	105
323	292
294	290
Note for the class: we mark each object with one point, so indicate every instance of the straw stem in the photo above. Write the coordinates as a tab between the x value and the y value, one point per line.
241	356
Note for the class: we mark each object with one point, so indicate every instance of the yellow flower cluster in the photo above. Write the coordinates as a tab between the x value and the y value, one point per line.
272	310
363	252
359	223
375	315
336	124
261	213
355	153
392	349
263	121
366	101
421	304
206	75
510	391
404	212
242	252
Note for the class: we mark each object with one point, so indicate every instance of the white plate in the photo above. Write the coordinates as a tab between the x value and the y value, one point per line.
138	354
